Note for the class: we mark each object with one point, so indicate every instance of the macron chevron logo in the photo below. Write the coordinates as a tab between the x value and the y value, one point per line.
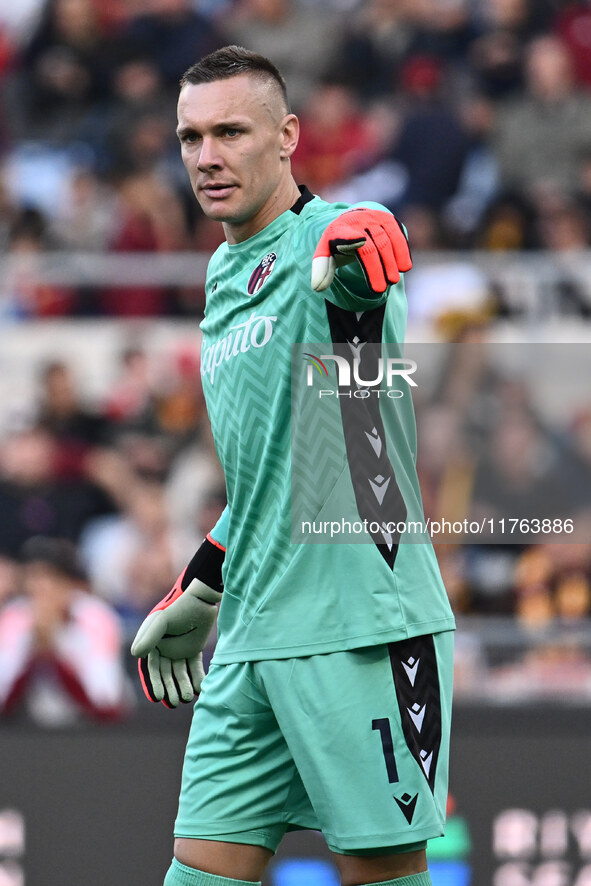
426	760
407	805
379	486
410	667
417	715
375	440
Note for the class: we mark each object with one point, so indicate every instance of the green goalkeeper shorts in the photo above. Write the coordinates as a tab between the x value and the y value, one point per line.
354	744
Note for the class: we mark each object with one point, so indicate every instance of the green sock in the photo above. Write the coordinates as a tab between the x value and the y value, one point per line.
181	875
422	879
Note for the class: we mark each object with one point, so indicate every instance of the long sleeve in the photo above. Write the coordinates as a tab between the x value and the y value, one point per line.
219	533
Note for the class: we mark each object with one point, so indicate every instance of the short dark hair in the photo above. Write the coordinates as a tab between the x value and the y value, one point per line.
229	61
58	554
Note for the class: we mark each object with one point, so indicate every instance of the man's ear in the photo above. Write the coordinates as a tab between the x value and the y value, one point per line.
290	133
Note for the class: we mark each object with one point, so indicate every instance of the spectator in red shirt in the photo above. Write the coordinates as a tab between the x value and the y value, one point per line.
336	139
573	26
60	647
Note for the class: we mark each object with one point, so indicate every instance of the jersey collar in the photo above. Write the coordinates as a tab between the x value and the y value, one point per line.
305	197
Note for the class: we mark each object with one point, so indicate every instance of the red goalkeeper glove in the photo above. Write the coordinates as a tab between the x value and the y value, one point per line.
170	641
373	237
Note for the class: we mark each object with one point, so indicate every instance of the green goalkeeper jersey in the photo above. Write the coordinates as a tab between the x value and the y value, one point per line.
299	458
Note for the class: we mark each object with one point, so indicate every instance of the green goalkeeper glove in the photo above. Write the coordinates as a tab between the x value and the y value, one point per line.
170	640
373	237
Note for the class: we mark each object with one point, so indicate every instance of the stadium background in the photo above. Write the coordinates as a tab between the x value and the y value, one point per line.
471	119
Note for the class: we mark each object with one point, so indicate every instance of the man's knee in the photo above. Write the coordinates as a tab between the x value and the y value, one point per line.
356	870
238	861
181	875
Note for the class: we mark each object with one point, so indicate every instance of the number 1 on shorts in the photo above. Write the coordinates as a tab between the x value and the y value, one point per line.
383	725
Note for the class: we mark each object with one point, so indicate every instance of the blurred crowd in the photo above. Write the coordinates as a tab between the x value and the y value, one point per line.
129	487
491	451
471	119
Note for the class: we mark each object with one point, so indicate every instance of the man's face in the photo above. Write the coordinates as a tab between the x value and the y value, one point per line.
49	591
236	141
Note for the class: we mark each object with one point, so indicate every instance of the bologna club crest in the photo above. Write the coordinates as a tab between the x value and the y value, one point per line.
261	272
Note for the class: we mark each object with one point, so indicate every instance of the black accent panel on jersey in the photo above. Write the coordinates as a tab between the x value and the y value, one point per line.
414	668
378	497
305	197
206	565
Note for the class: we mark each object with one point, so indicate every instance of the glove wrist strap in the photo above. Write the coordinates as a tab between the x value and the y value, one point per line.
206	566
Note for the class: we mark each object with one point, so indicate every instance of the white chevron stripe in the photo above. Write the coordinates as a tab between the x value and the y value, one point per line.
387	537
410	667
417	715
426	760
379	487
375	440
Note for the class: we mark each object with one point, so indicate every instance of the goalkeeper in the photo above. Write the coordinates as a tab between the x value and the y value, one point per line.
327	703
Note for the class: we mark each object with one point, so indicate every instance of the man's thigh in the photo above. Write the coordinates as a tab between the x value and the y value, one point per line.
368	730
239	781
